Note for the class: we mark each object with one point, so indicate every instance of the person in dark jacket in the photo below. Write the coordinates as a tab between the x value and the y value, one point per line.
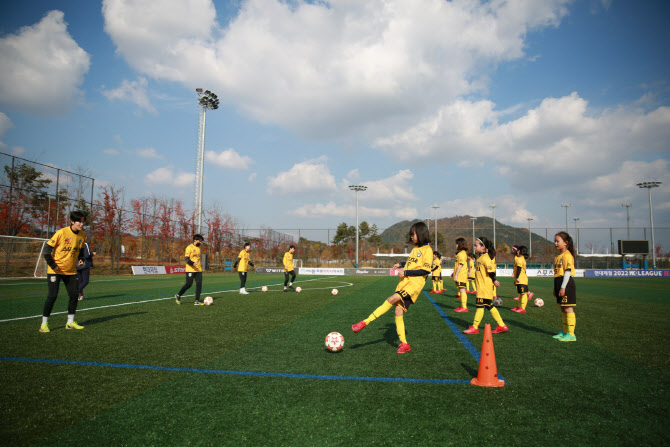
84	270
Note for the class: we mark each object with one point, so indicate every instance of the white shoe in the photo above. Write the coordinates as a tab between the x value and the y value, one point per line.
244	292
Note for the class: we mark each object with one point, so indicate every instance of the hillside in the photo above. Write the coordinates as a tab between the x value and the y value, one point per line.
451	228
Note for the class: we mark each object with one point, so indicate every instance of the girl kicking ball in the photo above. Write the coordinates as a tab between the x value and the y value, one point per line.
416	269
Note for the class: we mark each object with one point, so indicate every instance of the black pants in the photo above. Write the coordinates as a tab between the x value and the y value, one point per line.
243	279
286	274
53	284
190	276
83	276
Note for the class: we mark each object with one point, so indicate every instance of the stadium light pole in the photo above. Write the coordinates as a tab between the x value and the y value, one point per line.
357	188
435	207
206	100
473	235
530	238
494	224
627	205
576	231
648	186
566	206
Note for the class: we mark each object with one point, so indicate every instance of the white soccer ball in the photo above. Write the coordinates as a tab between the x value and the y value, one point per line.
539	302
334	342
208	301
334	292
497	302
298	289
264	288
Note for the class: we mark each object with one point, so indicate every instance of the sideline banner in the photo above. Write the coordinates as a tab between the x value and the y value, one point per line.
269	270
367	272
157	270
320	271
628	273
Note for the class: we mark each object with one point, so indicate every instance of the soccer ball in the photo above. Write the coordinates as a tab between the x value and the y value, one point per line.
208	301
334	342
298	289
539	302
497	302
334	292
264	288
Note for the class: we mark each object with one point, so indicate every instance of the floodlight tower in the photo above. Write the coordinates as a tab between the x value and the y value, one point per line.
494	224
206	100
576	219
649	185
566	206
357	188
473	235
627	205
435	207
530	237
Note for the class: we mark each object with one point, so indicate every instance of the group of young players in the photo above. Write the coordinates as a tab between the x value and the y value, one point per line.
63	254
422	262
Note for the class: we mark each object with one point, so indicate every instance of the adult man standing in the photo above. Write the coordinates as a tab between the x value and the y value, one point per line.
193	269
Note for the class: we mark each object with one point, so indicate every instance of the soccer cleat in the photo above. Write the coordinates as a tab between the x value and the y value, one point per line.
198	303
443	290
178	299
530	296
358	326
521	311
461	309
403	348
81	297
433	291
516	298
458	295
73	325
471	330
559	335
500	329
568	337
244	292
45	328
514	309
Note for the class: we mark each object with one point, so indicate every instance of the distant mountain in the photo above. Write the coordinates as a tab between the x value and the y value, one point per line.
452	228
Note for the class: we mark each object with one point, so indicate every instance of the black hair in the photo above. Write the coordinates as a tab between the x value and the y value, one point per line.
568	239
437	253
198	237
523	251
291	246
471	255
247	244
461	244
77	216
491	250
422	233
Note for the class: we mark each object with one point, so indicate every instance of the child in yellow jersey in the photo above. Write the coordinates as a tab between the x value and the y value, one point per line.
192	258
437	273
289	270
471	273
243	262
62	254
520	277
460	275
486	281
565	290
416	269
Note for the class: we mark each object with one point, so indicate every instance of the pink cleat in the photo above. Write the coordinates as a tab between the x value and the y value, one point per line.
358	326
500	329
403	348
471	330
461	309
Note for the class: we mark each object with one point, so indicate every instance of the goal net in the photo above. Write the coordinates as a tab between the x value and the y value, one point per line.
22	257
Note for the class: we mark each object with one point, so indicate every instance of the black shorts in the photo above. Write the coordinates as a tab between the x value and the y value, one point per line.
484	302
460	285
570	298
405	301
522	288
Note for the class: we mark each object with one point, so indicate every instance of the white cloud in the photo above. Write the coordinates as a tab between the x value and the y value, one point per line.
308	177
42	68
167	176
18	150
229	159
149	152
111	151
134	92
252	177
5	125
337	68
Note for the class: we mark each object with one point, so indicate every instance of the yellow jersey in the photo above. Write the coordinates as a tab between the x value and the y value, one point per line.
485	266
520	268
288	261
563	262
66	246
244	261
437	267
194	254
471	269
462	260
421	258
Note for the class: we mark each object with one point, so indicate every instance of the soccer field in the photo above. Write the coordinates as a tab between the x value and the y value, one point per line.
253	370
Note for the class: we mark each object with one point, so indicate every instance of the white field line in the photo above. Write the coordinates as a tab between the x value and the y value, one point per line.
340	283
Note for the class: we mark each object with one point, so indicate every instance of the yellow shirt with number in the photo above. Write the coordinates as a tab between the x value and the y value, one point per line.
66	247
194	254
288	261
485	266
461	260
520	265
244	261
563	262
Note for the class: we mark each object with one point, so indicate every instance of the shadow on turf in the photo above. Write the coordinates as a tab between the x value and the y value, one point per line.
390	337
110	317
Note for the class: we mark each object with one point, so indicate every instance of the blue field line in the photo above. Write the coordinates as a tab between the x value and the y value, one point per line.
237	373
457	331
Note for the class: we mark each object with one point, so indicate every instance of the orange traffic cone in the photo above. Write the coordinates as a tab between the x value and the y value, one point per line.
488	373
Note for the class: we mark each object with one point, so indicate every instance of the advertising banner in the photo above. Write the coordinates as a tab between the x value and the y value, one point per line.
320	271
148	270
367	272
269	270
627	273
170	270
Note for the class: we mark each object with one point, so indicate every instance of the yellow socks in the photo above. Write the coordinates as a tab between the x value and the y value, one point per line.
496	316
571	322
464	299
400	328
523	300
381	310
478	317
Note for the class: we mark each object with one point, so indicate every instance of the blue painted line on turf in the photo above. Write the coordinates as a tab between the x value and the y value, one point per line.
237	373
457	331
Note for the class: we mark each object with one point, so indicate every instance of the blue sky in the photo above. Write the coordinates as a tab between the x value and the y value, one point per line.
463	104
